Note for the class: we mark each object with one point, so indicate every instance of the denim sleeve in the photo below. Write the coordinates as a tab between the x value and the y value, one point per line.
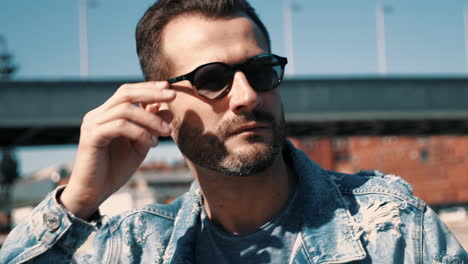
439	244
51	234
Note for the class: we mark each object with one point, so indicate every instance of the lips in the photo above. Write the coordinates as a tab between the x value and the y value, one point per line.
251	127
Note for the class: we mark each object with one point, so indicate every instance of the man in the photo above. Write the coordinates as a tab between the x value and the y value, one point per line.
256	199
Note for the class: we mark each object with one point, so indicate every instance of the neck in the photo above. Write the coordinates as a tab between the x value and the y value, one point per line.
242	204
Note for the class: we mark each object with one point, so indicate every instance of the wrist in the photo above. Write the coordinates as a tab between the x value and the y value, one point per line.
82	206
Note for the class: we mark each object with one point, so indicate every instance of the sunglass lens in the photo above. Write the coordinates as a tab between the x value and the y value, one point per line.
212	80
264	73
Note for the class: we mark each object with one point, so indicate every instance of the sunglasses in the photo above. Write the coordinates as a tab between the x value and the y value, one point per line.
213	80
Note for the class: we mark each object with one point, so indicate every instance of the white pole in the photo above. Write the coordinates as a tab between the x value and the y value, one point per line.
465	25
84	68
288	36
381	49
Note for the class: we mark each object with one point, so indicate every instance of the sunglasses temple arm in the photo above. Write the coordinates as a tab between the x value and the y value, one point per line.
177	79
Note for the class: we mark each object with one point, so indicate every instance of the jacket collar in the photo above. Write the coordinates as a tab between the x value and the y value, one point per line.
327	231
180	246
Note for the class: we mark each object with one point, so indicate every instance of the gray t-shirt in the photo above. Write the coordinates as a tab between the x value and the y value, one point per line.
271	243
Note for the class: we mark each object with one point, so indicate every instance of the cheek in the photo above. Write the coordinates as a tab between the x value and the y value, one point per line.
190	111
272	102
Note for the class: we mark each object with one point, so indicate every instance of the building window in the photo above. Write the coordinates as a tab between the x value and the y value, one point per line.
424	155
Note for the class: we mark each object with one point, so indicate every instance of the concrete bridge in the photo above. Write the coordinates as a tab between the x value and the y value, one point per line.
50	112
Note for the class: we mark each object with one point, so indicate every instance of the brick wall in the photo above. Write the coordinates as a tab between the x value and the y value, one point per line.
436	166
318	149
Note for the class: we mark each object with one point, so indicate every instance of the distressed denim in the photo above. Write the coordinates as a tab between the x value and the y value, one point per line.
367	217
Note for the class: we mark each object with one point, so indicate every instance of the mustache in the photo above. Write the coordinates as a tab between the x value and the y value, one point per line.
256	115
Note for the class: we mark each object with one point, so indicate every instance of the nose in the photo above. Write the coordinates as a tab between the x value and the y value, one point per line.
243	98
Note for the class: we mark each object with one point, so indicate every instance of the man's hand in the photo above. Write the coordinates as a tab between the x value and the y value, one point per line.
115	138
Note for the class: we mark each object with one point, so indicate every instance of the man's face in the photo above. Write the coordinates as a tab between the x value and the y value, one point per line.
241	133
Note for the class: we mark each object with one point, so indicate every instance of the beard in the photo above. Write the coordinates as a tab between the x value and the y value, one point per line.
208	150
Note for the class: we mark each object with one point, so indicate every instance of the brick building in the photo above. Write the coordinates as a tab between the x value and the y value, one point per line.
436	166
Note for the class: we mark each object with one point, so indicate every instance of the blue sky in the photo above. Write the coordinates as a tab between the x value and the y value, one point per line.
332	37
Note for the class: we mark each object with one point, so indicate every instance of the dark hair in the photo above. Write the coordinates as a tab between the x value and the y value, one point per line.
149	28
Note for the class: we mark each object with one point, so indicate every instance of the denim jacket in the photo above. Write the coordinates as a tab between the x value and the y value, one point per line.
360	218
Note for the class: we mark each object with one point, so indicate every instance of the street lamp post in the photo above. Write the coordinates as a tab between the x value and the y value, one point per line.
84	68
465	27
288	35
381	46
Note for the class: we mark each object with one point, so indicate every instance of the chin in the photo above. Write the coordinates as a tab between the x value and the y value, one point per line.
249	159
249	149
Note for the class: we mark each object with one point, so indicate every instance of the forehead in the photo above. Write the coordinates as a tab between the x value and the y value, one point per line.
191	40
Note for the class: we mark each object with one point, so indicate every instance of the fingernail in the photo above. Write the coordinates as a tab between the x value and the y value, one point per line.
154	141
160	84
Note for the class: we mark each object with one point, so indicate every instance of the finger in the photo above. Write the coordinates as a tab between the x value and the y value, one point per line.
136	115
150	92
121	128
